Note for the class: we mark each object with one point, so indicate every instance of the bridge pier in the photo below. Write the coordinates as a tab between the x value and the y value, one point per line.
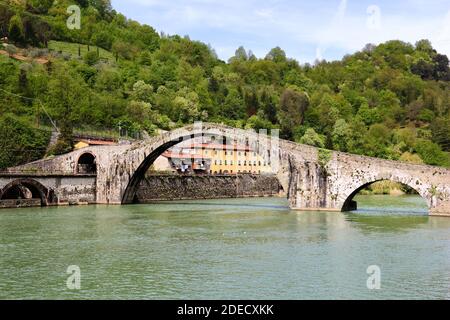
441	210
351	205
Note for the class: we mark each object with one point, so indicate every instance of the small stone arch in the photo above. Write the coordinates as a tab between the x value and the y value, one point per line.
28	189
350	205
86	164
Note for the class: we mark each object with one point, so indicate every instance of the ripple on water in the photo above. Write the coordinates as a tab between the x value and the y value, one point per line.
225	249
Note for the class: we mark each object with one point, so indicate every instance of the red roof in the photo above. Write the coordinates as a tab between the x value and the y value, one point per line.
99	142
216	146
178	155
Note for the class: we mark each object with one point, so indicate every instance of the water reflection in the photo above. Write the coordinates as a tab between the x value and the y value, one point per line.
383	213
219	249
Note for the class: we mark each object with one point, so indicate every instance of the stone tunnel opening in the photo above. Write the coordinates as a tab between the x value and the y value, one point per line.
17	192
388	197
23	193
86	164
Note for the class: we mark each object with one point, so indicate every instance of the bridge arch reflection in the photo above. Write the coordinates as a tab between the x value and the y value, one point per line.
351	205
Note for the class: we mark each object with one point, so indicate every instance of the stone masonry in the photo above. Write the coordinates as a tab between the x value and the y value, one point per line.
314	179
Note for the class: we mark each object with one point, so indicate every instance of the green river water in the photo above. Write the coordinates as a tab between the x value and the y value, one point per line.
225	249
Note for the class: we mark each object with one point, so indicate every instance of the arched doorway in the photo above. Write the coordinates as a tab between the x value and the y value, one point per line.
390	194
27	190
86	164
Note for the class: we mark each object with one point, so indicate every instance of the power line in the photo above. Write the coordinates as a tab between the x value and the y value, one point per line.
40	103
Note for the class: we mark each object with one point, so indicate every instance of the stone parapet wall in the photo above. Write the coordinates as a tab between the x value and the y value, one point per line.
177	187
20	203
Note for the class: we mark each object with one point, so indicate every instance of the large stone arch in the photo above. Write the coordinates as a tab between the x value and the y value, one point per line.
131	166
38	190
352	190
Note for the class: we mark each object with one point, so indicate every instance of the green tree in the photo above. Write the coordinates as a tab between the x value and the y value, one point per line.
16	31
293	106
411	158
91	58
312	138
66	97
341	135
431	153
277	55
20	142
257	123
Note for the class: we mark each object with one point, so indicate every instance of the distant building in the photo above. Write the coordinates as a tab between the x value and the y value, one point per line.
230	159
213	158
188	162
83	143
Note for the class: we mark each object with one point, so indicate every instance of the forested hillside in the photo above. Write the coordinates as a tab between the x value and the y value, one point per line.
389	101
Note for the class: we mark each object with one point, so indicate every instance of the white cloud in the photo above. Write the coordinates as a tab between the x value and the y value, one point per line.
301	28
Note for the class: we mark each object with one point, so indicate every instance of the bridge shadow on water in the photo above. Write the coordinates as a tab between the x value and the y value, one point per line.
221	205
390	212
384	213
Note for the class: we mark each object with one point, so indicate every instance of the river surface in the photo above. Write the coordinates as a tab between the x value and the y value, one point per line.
225	249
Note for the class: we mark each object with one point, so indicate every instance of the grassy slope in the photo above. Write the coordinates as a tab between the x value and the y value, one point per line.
72	49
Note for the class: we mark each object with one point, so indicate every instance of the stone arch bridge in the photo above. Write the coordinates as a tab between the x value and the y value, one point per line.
314	179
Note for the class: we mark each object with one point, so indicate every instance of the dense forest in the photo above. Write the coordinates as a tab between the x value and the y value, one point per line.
389	101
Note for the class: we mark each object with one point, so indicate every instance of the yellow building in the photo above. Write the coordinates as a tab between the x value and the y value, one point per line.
230	159
83	143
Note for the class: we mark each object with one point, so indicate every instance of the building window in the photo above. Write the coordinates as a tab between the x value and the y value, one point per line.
245	163
239	162
240	153
215	162
259	163
231	162
226	162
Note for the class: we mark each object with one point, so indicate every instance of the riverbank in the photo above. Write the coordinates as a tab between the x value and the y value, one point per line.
388	188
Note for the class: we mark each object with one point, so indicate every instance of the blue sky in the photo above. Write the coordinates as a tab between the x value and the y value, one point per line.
306	30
